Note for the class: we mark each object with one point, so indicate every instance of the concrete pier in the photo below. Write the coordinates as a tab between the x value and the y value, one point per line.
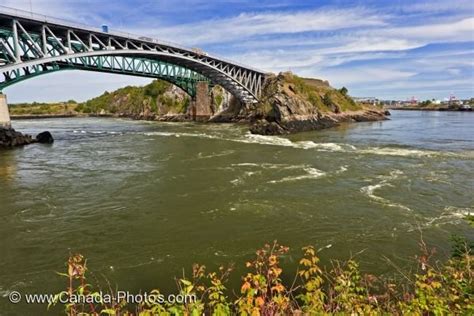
4	113
201	105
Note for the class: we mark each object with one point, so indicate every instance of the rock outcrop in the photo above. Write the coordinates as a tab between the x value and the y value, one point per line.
45	138
288	104
11	138
291	104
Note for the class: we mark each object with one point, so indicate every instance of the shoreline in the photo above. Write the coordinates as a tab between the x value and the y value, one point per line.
432	109
46	116
292	125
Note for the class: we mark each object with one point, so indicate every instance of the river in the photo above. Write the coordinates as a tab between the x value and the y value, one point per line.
143	200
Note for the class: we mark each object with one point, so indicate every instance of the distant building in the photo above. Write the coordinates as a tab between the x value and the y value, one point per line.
371	100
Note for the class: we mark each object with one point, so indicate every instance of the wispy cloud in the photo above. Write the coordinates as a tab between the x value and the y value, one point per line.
247	25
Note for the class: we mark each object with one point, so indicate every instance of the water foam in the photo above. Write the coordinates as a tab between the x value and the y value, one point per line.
449	215
220	154
182	134
342	169
327	147
311	173
280	141
369	190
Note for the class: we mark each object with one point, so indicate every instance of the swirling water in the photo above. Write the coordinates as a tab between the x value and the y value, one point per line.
143	200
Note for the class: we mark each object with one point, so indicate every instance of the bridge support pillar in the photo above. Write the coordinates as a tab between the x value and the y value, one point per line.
201	104
4	114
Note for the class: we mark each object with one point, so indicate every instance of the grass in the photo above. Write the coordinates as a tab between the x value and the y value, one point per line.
320	94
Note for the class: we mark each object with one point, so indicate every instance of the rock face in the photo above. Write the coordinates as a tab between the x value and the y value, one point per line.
45	138
290	104
11	138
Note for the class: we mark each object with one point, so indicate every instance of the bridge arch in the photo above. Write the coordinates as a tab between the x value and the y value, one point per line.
198	70
30	43
183	78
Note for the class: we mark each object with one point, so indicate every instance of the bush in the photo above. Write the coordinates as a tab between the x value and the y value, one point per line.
433	290
156	88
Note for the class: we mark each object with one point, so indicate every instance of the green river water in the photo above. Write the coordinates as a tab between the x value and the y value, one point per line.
143	200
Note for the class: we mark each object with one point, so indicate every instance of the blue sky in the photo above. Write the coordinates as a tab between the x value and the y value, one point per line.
386	49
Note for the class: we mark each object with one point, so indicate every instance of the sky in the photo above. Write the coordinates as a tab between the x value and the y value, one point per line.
385	49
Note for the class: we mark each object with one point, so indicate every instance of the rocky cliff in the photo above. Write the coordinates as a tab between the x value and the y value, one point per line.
288	104
152	101
292	104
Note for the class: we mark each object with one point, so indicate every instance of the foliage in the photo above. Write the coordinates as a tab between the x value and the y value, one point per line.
152	98
343	91
35	108
218	99
433	290
321	95
156	88
425	103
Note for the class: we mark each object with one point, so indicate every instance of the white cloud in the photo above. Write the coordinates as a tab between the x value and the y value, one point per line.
438	6
458	30
246	25
349	77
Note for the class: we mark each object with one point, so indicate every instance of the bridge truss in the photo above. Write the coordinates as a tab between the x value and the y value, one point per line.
32	45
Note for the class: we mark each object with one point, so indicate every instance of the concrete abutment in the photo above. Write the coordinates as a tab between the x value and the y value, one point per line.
4	113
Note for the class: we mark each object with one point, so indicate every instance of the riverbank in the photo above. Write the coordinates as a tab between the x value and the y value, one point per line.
431	109
44	116
263	127
288	104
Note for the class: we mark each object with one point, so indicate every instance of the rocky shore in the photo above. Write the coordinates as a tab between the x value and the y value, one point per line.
291	104
10	138
288	104
320	121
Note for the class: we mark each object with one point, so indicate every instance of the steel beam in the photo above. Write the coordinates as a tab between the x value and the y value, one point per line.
30	44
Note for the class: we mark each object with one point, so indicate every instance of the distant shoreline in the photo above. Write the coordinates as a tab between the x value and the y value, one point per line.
46	116
39	116
431	109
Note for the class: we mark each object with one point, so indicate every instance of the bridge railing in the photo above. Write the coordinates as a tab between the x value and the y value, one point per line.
62	22
67	23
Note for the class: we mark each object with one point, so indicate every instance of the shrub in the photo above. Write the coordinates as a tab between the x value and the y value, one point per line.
433	290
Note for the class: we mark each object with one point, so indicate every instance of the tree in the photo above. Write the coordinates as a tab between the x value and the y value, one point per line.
156	88
344	91
425	103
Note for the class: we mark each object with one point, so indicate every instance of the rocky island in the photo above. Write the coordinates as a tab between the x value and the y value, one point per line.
289	104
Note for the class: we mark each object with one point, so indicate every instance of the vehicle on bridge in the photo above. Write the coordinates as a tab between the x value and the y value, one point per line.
199	51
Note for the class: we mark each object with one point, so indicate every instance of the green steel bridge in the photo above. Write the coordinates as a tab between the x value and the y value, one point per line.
32	45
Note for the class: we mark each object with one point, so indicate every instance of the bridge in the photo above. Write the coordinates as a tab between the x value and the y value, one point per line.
32	45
